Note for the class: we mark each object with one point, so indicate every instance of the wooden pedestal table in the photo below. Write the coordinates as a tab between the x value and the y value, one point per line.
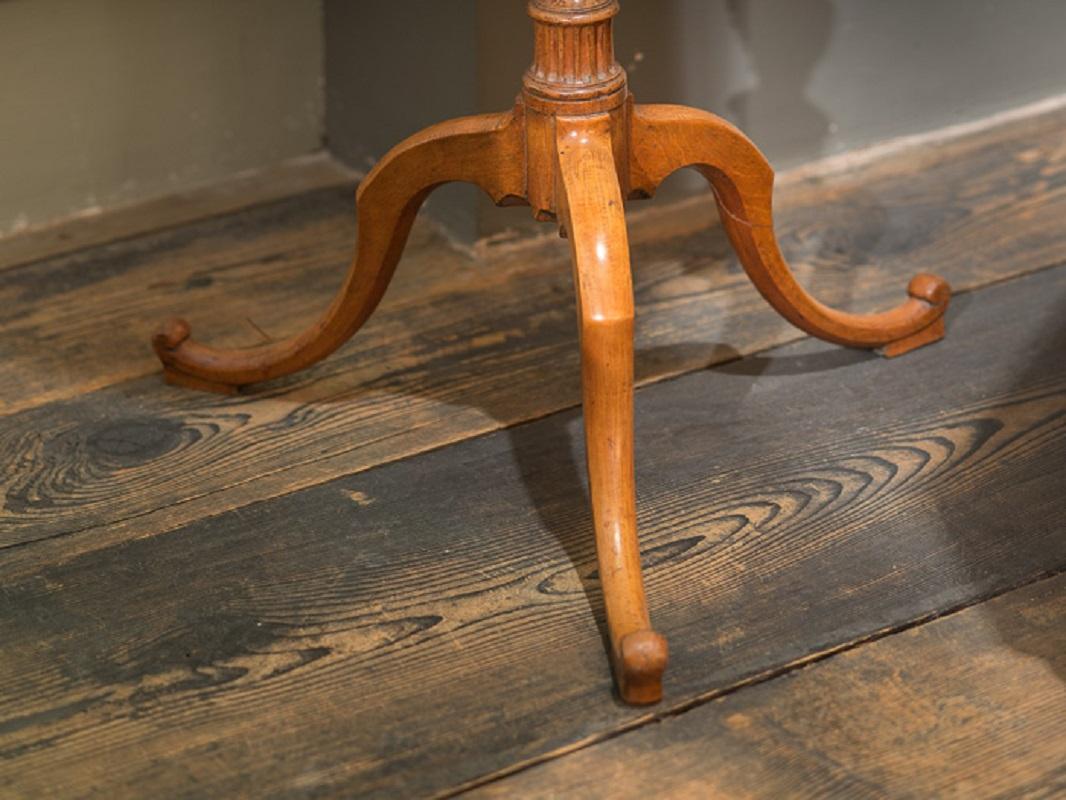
574	147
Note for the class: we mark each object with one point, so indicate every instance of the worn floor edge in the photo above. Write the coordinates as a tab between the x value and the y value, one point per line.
765	676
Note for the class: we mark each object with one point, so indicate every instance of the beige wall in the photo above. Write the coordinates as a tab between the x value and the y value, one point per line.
111	101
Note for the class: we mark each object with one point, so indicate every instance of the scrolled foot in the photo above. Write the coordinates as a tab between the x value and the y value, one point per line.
170	335
640	665
933	333
930	289
167	344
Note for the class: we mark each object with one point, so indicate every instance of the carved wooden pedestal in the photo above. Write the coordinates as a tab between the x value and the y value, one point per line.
574	148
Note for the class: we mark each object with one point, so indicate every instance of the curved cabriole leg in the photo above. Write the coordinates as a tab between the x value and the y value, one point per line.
591	211
486	150
666	138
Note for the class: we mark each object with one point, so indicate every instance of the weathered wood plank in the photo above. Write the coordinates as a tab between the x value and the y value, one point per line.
418	625
459	348
972	706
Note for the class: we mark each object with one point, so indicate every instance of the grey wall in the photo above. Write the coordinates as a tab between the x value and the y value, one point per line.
804	78
393	68
111	101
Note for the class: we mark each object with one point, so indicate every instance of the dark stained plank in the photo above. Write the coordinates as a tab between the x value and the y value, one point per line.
971	706
460	347
420	625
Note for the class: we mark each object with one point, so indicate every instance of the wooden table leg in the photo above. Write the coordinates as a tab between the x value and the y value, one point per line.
591	211
665	138
487	150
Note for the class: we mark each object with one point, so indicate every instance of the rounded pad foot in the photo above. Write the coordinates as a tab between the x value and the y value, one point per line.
642	661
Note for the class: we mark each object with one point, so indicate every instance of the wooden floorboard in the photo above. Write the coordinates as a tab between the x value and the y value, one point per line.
95	455
971	706
431	622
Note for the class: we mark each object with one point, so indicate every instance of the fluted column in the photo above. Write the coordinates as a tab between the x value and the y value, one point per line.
574	69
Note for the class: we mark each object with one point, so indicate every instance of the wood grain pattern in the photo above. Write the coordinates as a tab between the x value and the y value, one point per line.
458	348
406	630
972	706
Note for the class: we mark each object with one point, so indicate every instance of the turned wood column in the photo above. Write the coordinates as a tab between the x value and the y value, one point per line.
574	70
574	73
